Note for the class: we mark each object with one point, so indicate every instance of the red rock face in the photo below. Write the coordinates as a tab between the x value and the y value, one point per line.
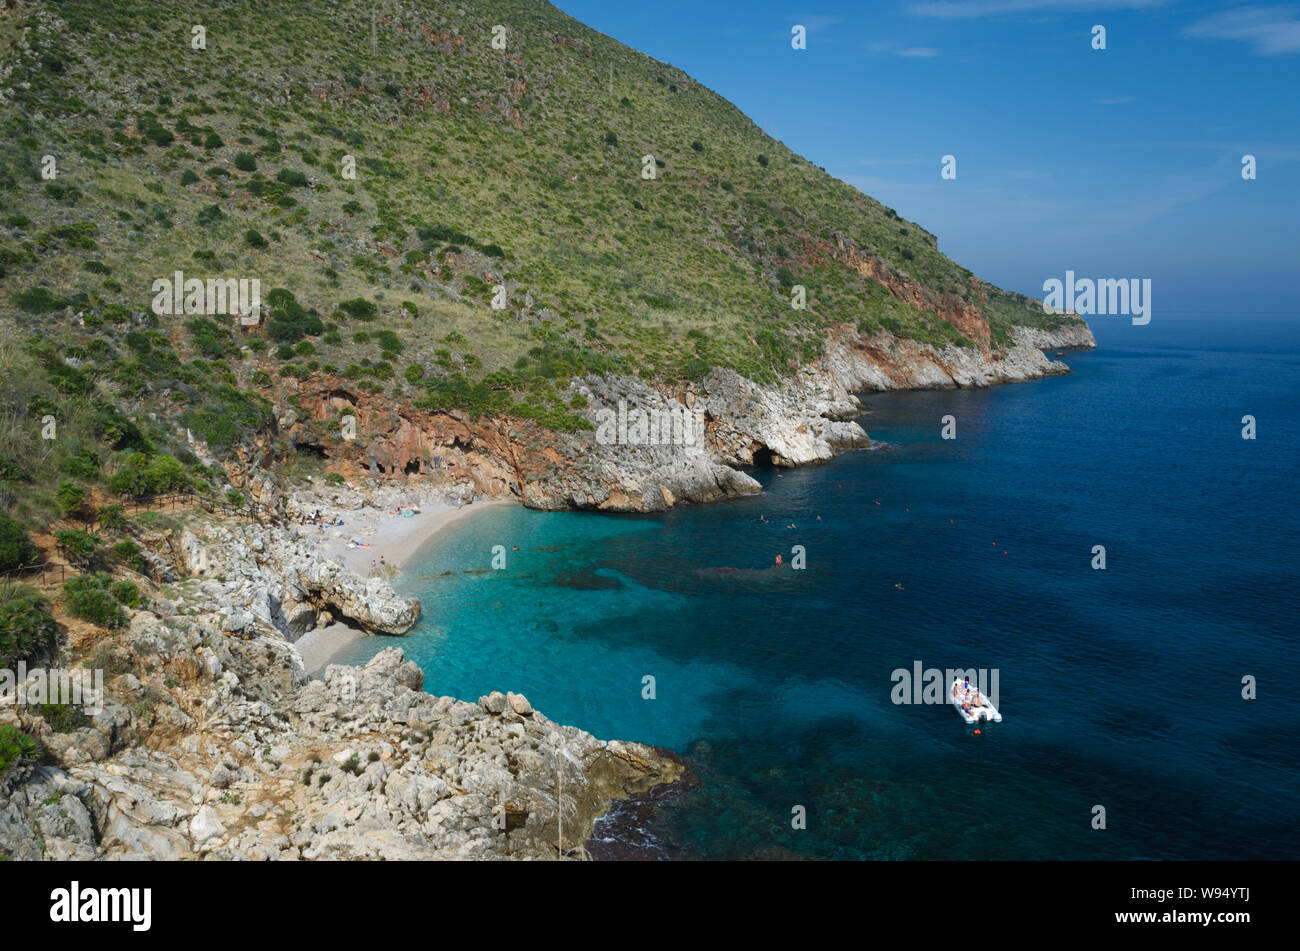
965	316
402	441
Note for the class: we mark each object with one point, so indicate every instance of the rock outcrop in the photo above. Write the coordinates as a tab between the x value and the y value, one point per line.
254	573
690	442
243	758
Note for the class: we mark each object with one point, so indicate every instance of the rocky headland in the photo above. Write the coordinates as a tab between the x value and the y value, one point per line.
804	419
214	743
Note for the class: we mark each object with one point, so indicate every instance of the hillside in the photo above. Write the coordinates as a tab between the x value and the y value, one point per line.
475	167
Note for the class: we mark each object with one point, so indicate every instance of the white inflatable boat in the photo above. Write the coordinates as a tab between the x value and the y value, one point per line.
980	708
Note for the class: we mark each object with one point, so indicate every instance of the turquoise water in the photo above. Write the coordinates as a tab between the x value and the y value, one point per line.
1119	688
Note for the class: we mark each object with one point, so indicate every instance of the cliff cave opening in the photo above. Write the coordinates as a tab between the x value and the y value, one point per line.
763	458
412	467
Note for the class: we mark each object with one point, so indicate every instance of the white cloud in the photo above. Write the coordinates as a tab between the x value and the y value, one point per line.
972	9
1272	30
910	52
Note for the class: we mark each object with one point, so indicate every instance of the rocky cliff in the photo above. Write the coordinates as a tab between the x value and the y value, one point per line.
213	743
737	423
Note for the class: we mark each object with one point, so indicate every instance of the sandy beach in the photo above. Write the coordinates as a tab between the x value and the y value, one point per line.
390	540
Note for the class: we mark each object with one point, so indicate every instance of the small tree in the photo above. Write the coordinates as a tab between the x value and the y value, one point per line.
70	498
16	547
91	598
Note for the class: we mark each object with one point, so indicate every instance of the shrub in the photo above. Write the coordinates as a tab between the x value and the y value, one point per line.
15	745
210	215
38	300
113	518
360	308
212	141
611	138
292	177
762	160
90	598
81	548
254	239
125	592
413	373
82	463
70	497
62	717
151	129
389	341
697	145
16	548
142	476
28	632
128	552
245	162
188	177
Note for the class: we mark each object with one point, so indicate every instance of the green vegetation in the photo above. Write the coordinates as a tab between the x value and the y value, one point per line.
63	717
28	632
15	745
367	196
96	598
16	547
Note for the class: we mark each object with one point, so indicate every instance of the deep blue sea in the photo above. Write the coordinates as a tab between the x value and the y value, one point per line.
1119	688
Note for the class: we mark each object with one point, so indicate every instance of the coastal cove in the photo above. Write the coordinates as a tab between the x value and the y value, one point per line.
396	539
775	683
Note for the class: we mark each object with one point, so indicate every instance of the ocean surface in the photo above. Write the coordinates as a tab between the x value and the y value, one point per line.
1120	688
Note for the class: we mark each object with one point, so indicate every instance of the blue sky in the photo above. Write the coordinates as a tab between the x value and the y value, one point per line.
1117	163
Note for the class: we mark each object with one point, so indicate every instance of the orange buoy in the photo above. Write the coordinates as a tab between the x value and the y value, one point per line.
977	732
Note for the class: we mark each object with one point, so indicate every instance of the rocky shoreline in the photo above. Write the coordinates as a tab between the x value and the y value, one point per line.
807	418
215	743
